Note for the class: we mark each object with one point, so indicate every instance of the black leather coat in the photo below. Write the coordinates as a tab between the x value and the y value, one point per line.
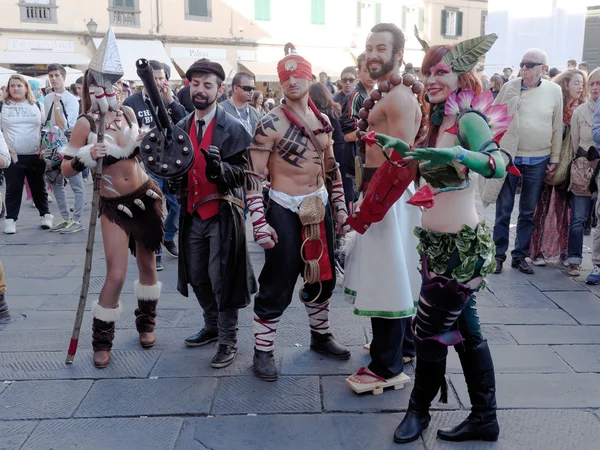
232	139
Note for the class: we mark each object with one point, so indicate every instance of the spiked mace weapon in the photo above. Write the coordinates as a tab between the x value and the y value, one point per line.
104	71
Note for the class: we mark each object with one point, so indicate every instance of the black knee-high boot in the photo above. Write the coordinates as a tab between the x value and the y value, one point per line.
479	374
429	378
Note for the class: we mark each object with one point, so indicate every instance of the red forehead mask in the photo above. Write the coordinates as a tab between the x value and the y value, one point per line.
294	65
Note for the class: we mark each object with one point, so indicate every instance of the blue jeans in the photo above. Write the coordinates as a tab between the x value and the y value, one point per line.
173	208
580	206
78	188
532	182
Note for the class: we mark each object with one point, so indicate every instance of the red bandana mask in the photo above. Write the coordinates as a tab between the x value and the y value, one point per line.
294	65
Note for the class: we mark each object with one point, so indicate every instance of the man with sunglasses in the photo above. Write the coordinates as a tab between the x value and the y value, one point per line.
238	104
534	139
348	80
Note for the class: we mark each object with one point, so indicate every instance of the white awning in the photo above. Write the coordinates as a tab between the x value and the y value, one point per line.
72	76
185	63
43	58
262	71
130	50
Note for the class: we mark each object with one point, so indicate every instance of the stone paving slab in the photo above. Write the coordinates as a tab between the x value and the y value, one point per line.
525	430
25	302
525	316
42	399
294	432
33	286
46	270
582	358
488	299
518	359
154	433
66	302
3	386
44	320
524	297
51	365
550	334
195	362
509	277
497	335
114	398
249	395
339	397
546	391
303	361
552	279
583	306
14	434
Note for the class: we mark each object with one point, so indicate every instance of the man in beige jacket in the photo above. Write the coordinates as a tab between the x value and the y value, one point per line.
534	139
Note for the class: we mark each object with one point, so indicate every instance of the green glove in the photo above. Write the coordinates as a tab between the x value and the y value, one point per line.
399	146
435	156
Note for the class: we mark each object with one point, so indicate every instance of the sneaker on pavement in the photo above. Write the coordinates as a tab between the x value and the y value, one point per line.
594	276
60	226
159	264
10	227
46	221
73	227
171	248
573	270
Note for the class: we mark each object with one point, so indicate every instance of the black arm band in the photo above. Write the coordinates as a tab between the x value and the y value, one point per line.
77	164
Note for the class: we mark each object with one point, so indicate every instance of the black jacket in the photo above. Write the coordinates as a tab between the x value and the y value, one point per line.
143	114
232	139
186	99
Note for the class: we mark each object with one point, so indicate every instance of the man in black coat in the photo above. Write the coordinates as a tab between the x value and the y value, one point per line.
212	234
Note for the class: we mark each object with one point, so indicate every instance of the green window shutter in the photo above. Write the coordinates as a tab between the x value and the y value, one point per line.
444	14
421	24
459	23
129	4
358	14
198	8
377	12
403	26
262	10
317	12
118	3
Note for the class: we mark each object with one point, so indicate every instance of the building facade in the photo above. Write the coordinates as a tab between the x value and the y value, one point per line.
241	34
450	21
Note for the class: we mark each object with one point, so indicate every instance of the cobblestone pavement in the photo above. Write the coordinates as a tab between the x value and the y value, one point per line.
544	332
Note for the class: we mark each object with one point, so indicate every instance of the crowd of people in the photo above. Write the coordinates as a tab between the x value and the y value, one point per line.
388	155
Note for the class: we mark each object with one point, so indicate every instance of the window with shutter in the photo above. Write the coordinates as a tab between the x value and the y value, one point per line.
124	4
124	13
198	10
483	22
318	12
262	10
443	22
459	23
451	22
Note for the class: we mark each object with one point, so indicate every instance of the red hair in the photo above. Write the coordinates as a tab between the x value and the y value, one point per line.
469	80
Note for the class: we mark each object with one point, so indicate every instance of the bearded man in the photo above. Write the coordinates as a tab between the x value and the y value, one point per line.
212	237
388	250
294	143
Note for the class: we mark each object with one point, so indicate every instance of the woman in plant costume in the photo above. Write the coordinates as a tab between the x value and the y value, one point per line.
456	249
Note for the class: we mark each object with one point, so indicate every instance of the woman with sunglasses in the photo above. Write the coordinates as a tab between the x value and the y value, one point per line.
553	210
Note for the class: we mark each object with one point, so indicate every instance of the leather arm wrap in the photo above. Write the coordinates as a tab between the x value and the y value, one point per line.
337	197
386	187
77	164
260	227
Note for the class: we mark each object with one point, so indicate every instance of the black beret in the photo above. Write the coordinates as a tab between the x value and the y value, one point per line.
206	66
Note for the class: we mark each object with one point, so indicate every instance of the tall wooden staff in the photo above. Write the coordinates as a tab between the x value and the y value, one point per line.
105	70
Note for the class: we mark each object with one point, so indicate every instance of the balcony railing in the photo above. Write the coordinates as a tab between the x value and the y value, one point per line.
38	13
124	17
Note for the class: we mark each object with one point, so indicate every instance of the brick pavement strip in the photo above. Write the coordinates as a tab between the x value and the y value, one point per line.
154	433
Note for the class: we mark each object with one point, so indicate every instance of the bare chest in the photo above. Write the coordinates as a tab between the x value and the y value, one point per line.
296	149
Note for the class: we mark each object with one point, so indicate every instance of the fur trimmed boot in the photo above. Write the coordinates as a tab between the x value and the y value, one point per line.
4	312
103	333
145	314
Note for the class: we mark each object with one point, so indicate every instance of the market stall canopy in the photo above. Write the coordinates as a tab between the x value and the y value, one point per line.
262	71
44	58
72	76
130	50
185	63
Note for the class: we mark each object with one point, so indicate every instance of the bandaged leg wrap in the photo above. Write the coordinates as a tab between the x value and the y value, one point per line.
318	317
264	333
